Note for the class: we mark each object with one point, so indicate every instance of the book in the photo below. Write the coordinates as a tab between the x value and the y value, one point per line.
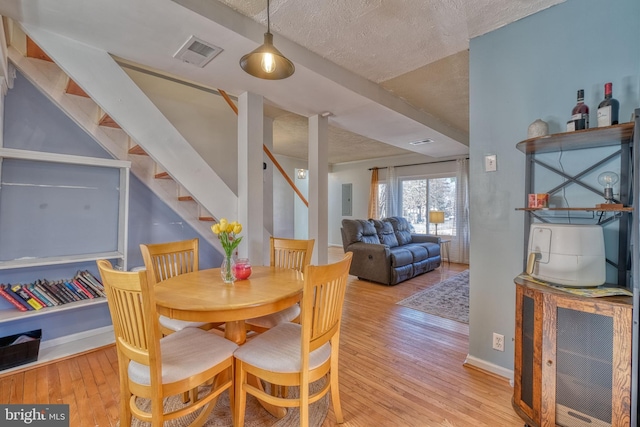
87	279
25	296
39	296
86	287
92	281
17	297
42	286
76	293
32	295
79	285
11	299
62	292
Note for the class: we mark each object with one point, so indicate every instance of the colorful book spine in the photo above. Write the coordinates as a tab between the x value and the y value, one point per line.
25	296
41	285
17	297
34	296
88	285
11	299
79	295
61	291
79	285
95	283
39	295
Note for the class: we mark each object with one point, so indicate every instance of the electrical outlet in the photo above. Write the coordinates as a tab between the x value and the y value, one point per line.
498	342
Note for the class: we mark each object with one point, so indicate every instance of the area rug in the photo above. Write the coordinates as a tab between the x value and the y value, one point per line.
448	299
255	415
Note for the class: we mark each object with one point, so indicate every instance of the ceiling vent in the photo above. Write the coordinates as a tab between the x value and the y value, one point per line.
421	142
197	52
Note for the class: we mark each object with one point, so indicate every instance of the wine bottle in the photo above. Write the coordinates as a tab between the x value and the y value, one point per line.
608	108
579	114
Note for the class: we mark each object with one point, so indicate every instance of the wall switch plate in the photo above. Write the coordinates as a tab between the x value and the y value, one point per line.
490	163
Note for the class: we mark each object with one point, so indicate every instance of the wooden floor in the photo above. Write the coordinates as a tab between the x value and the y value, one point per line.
398	367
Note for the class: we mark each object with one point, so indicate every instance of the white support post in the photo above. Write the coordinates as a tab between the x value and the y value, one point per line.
250	176
267	175
319	188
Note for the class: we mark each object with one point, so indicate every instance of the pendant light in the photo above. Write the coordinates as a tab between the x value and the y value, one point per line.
266	62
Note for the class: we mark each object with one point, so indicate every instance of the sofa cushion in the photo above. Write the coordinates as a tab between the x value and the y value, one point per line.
400	256
402	228
358	230
433	249
419	252
386	235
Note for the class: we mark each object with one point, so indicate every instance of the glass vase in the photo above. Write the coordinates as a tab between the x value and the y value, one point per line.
228	269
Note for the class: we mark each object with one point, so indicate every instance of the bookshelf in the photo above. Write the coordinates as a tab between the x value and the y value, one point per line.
55	210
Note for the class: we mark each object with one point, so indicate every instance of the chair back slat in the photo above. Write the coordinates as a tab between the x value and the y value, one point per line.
166	260
322	301
132	313
291	253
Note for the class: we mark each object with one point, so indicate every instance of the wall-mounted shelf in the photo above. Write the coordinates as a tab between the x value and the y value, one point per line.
578	140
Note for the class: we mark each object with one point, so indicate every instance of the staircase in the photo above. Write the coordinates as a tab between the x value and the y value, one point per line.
186	189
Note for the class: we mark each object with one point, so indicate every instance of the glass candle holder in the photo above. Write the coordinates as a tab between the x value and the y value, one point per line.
242	268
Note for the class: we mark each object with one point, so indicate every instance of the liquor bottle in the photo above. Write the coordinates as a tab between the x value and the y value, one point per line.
608	108
579	115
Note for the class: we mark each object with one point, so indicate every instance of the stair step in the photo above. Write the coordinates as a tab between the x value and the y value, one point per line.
185	199
162	175
207	218
34	51
108	122
73	89
136	149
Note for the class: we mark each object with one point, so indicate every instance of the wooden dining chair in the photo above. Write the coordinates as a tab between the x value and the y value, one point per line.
293	354
284	253
153	367
165	260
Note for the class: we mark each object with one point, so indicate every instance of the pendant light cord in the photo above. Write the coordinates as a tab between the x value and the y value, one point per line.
268	21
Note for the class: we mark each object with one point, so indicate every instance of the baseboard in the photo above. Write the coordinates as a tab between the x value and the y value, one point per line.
483	365
75	337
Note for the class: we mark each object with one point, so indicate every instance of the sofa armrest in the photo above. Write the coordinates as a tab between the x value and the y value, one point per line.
370	261
422	238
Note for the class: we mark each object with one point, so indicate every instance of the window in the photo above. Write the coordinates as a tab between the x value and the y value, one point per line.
382	200
419	196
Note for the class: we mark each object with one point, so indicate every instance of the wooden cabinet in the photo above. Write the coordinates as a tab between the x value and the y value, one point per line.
576	358
572	362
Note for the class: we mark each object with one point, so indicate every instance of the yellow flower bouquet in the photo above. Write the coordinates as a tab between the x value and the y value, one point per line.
228	234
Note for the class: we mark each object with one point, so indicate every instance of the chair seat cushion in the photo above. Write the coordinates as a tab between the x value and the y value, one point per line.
178	325
270	320
184	354
278	350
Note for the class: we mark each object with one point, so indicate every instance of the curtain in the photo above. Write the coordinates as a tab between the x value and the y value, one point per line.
373	195
392	193
462	210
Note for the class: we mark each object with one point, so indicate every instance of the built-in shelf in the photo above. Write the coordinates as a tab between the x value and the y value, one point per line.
57	260
15	314
577	140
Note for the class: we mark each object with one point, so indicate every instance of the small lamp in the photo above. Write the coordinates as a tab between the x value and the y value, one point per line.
436	217
608	179
302	174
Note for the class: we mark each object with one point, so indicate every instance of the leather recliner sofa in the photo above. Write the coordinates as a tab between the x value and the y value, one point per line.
386	251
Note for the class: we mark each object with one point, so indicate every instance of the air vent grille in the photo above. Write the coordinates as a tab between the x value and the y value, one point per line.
197	52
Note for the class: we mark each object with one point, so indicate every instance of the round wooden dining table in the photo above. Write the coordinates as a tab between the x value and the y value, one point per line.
202	296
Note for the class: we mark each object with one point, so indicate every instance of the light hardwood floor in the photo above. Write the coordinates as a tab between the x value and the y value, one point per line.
398	367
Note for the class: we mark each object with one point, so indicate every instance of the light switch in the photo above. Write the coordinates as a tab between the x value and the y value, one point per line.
490	163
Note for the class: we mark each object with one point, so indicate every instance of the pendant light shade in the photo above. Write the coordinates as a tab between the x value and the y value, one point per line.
266	62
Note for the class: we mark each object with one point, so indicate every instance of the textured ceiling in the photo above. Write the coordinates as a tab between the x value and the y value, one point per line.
389	70
416	49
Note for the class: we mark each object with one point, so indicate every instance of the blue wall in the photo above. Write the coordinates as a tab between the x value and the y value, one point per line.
33	122
527	70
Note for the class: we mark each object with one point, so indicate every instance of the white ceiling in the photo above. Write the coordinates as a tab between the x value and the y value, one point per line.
390	72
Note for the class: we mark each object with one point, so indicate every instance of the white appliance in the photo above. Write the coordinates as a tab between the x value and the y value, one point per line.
567	254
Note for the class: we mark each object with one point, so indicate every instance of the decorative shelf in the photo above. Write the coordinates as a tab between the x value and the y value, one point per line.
14	314
56	260
577	140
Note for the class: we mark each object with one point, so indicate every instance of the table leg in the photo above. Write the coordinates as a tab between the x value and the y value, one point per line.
236	331
276	411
